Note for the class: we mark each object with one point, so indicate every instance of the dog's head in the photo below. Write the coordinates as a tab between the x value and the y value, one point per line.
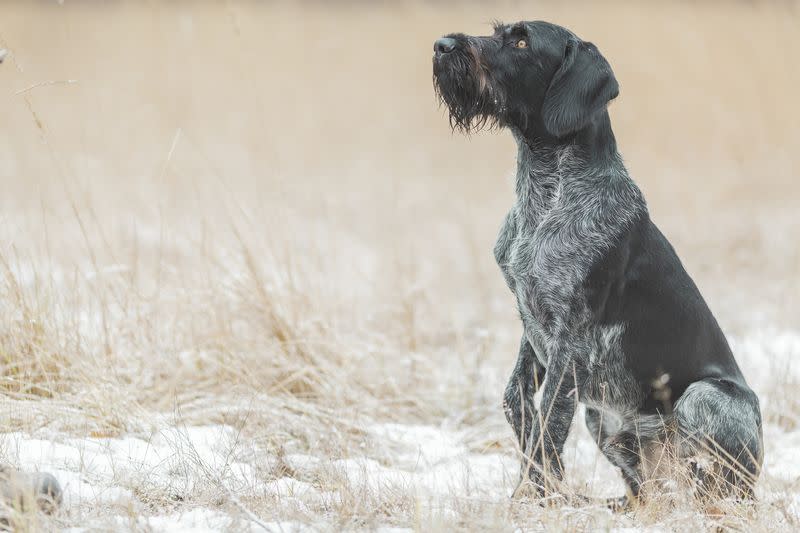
533	75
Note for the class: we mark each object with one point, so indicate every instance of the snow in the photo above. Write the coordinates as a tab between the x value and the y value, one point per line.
194	521
91	469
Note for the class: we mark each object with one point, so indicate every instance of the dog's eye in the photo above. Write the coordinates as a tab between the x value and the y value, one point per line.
522	43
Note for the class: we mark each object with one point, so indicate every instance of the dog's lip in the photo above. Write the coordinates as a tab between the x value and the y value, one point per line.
439	56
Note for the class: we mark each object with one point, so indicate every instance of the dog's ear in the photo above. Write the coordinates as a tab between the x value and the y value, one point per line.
582	86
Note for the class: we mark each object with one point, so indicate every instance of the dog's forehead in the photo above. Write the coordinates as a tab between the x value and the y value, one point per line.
534	28
501	28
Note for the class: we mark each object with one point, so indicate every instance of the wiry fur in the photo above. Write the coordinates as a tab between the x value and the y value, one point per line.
473	101
610	317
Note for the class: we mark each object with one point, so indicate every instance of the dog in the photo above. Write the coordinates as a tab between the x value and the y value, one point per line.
610	317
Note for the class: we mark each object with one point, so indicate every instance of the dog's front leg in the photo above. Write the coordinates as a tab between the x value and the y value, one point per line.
518	401
541	467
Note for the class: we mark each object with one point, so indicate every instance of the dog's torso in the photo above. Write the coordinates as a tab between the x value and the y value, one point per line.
571	252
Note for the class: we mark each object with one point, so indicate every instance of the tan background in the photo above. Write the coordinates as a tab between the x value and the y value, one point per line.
328	109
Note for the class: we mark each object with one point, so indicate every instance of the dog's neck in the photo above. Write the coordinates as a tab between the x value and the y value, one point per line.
545	161
594	144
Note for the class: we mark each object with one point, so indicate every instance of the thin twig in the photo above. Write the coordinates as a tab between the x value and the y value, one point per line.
164	167
250	514
43	83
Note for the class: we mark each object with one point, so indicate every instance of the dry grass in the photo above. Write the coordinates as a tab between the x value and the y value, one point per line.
255	216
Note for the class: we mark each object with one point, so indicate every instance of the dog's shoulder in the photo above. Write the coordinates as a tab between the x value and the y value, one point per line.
610	272
641	282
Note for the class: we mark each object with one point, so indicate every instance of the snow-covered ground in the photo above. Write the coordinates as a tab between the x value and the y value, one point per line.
434	464
440	468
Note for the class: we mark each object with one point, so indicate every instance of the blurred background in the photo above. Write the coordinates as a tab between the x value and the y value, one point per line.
326	111
209	201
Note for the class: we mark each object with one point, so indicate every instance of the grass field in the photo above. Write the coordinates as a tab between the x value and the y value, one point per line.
246	277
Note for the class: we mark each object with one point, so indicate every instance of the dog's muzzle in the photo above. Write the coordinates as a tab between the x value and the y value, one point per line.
463	84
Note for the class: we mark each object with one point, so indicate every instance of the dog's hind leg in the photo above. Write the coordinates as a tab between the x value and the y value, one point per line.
719	431
622	449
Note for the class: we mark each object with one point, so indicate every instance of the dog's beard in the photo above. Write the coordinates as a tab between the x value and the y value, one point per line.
472	100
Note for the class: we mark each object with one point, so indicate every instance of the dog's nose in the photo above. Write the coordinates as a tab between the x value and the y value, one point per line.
444	45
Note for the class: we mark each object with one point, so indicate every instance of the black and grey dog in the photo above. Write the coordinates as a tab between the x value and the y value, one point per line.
610	316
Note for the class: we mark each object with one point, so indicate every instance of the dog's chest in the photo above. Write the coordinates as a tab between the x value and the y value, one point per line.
544	271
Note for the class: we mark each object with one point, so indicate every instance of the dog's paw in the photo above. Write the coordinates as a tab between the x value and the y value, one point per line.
622	504
527	490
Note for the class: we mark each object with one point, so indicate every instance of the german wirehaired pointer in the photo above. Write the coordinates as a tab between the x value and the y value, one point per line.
610	316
